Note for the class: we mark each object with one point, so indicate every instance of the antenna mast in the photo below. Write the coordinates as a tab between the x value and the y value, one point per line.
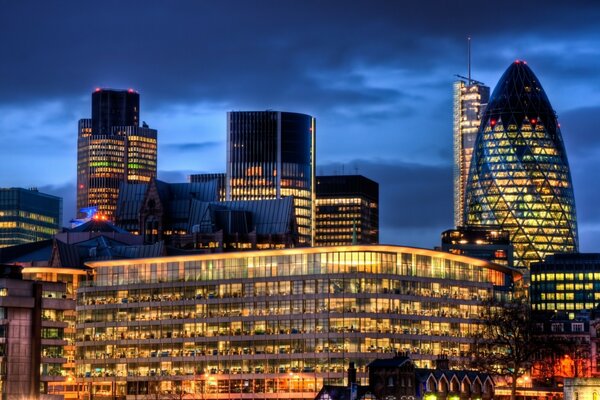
469	58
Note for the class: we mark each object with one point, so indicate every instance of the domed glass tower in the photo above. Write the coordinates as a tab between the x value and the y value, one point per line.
519	177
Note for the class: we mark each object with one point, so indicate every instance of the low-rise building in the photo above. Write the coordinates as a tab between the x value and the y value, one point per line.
31	334
398	378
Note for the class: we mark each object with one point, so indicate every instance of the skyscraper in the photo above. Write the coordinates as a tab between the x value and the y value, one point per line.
347	210
27	215
112	148
470	99
270	155
520	177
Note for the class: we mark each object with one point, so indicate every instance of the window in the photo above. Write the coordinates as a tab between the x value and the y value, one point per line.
557	327
577	327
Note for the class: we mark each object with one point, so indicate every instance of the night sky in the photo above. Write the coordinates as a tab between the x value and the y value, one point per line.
377	75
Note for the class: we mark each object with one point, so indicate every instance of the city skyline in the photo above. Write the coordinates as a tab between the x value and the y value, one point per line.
365	70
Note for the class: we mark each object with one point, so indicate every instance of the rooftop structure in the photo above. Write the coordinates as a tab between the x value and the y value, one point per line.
485	242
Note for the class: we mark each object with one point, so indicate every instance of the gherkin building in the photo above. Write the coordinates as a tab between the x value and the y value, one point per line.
519	177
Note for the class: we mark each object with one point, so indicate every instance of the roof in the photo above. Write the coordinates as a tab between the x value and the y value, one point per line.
266	217
96	225
390	362
28	252
101	248
341	392
175	198
130	200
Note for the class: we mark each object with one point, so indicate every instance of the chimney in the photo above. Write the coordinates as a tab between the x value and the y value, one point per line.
351	374
442	362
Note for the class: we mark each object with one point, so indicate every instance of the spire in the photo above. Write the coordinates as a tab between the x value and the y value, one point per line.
469	58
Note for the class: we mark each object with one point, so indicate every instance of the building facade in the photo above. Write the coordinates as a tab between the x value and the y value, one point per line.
488	243
270	155
31	334
566	282
347	210
469	100
274	323
27	215
520	177
62	260
113	148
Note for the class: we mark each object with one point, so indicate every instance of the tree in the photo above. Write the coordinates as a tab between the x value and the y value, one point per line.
509	342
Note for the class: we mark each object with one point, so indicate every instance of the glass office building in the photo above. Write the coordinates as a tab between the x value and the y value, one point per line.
470	99
566	283
347	210
274	323
111	149
520	177
27	215
270	155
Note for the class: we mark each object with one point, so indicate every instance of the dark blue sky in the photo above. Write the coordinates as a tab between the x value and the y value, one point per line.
377	75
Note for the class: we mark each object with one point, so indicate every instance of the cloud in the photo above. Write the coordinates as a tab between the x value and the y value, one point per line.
191	146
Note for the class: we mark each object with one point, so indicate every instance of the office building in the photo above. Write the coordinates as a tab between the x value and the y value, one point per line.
520	177
271	155
27	215
32	334
470	99
566	282
113	148
347	210
487	243
274	323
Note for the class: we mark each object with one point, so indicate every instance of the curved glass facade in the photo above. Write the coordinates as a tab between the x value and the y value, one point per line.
519	177
270	155
274	323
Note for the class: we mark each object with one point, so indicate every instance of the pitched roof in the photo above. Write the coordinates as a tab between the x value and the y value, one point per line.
267	217
28	252
390	362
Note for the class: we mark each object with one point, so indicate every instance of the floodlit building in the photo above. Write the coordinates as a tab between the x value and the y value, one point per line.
271	155
347	210
32	333
566	282
470	99
113	148
274	323
520	177
27	215
488	243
